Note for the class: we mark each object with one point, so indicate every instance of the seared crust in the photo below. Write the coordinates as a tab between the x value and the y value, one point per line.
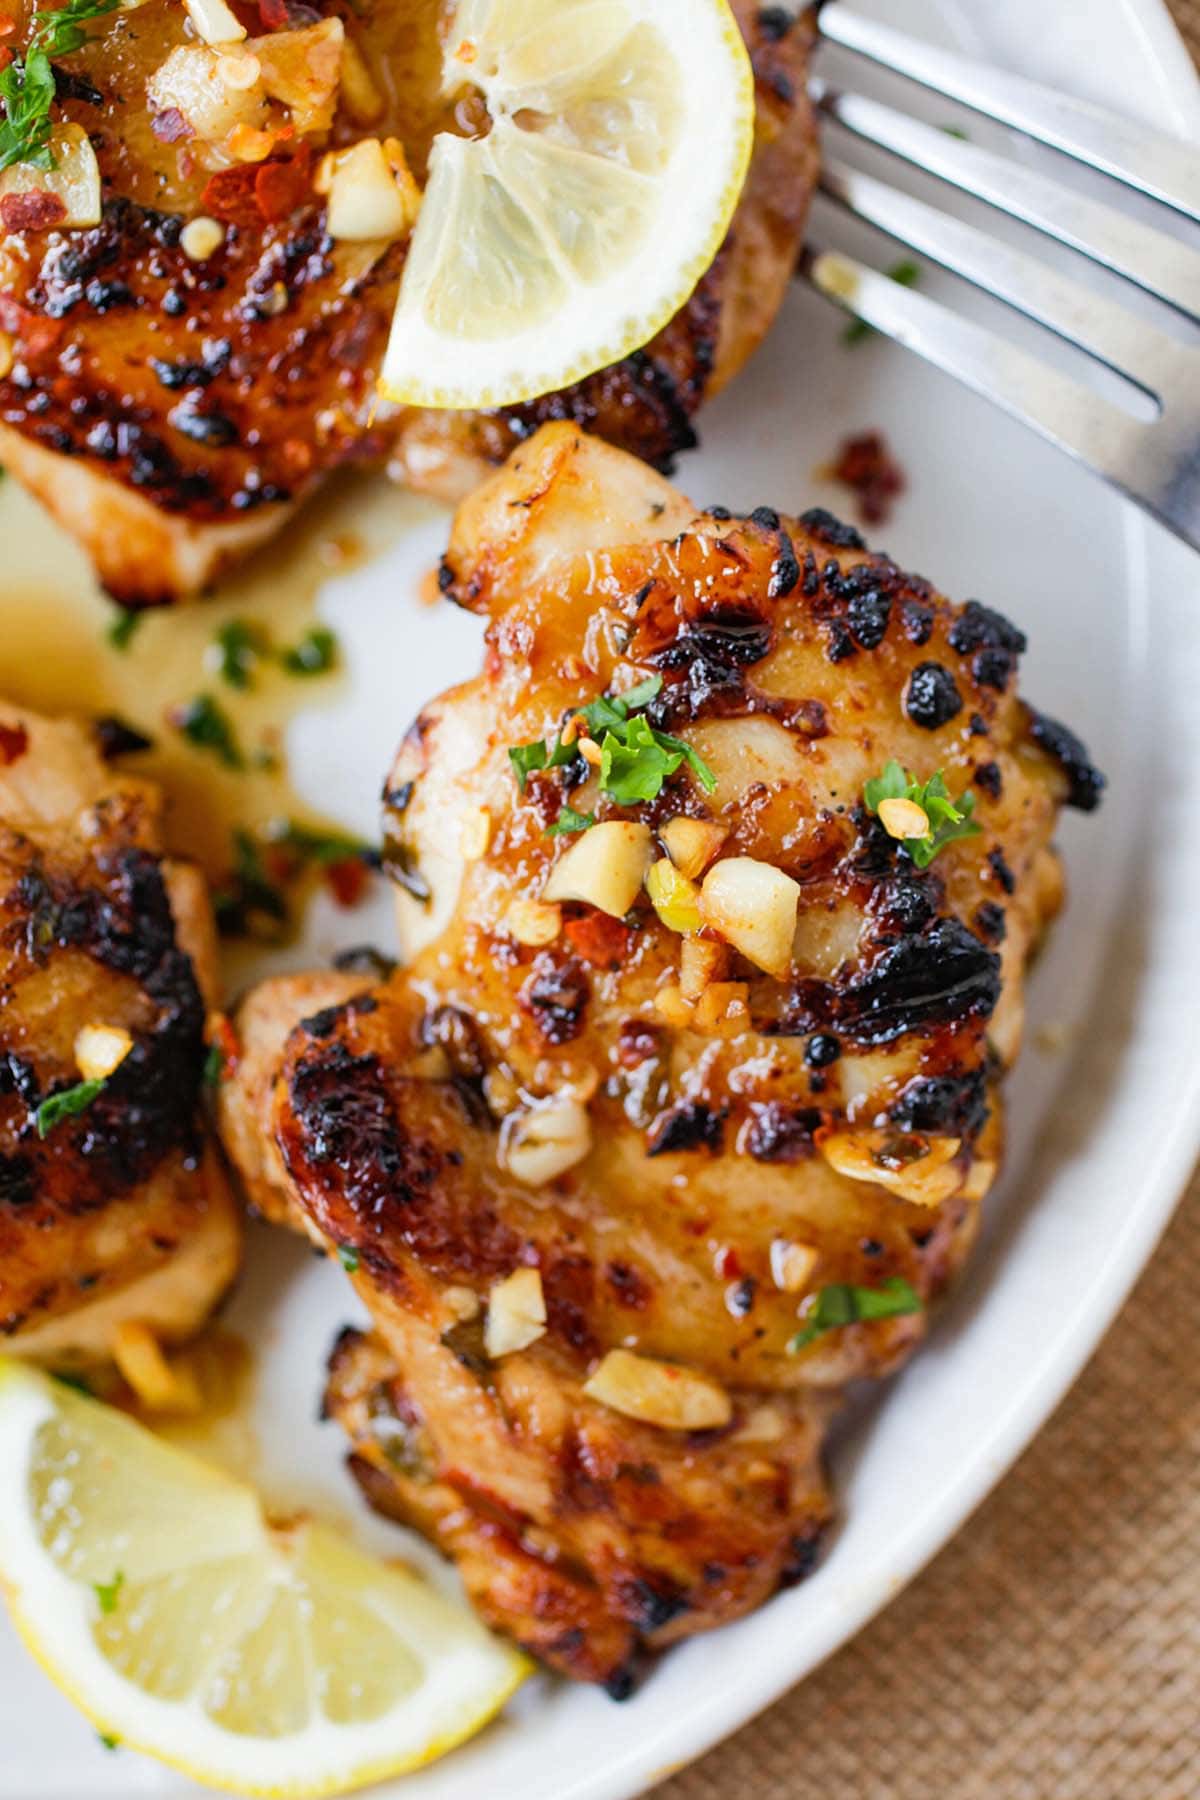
93	928
797	663
188	388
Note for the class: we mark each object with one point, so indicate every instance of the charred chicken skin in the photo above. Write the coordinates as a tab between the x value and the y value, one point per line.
172	400
673	1124
111	1207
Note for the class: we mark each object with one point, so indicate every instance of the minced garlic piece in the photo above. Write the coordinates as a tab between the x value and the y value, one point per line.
659	1393
214	22
99	1049
516	1315
545	1140
792	1265
921	1170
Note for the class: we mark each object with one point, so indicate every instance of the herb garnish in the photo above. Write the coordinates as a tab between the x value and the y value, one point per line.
315	654
905	273
120	631
206	724
67	1104
214	1066
321	847
250	895
238	648
106	1592
348	1257
636	759
844	1304
948	819
28	85
569	821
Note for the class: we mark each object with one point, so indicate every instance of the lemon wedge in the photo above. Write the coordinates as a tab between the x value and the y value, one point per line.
620	134
256	1658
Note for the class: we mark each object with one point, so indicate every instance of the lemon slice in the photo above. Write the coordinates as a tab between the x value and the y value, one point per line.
265	1660
566	237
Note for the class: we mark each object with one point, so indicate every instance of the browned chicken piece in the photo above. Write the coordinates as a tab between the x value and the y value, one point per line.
672	1125
172	410
112	1207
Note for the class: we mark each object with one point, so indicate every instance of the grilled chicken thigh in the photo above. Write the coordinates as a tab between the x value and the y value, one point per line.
673	1125
115	1210
172	408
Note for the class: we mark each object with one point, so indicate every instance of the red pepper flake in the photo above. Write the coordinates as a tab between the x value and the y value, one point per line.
283	184
254	192
347	880
14	742
599	940
728	1263
170	126
865	463
224	1039
287	15
33	211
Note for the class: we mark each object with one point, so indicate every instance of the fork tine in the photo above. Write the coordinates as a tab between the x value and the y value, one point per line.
1143	158
1078	421
1076	313
1159	264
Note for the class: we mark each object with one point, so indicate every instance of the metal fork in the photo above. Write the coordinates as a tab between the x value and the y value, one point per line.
1156	462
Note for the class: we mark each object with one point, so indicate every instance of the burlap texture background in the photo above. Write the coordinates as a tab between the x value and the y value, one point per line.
1052	1651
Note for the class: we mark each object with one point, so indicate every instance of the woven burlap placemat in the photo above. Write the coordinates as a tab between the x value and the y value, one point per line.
1052	1651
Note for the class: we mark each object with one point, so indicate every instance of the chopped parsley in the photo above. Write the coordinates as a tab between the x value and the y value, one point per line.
948	819
28	84
569	821
109	1742
956	131
214	1066
123	626
207	725
905	273
73	1381
348	1257
322	847
106	1592
636	759
315	654
844	1304
67	1104
249	903
237	650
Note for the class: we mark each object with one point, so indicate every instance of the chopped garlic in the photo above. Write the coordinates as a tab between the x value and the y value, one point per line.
604	867
368	199
754	906
74	180
361	97
723	1009
543	1141
99	1049
677	1011
214	22
691	844
475	833
926	1178
792	1265
659	1393
701	960
516	1315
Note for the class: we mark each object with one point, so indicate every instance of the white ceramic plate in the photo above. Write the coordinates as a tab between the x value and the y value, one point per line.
1104	1130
